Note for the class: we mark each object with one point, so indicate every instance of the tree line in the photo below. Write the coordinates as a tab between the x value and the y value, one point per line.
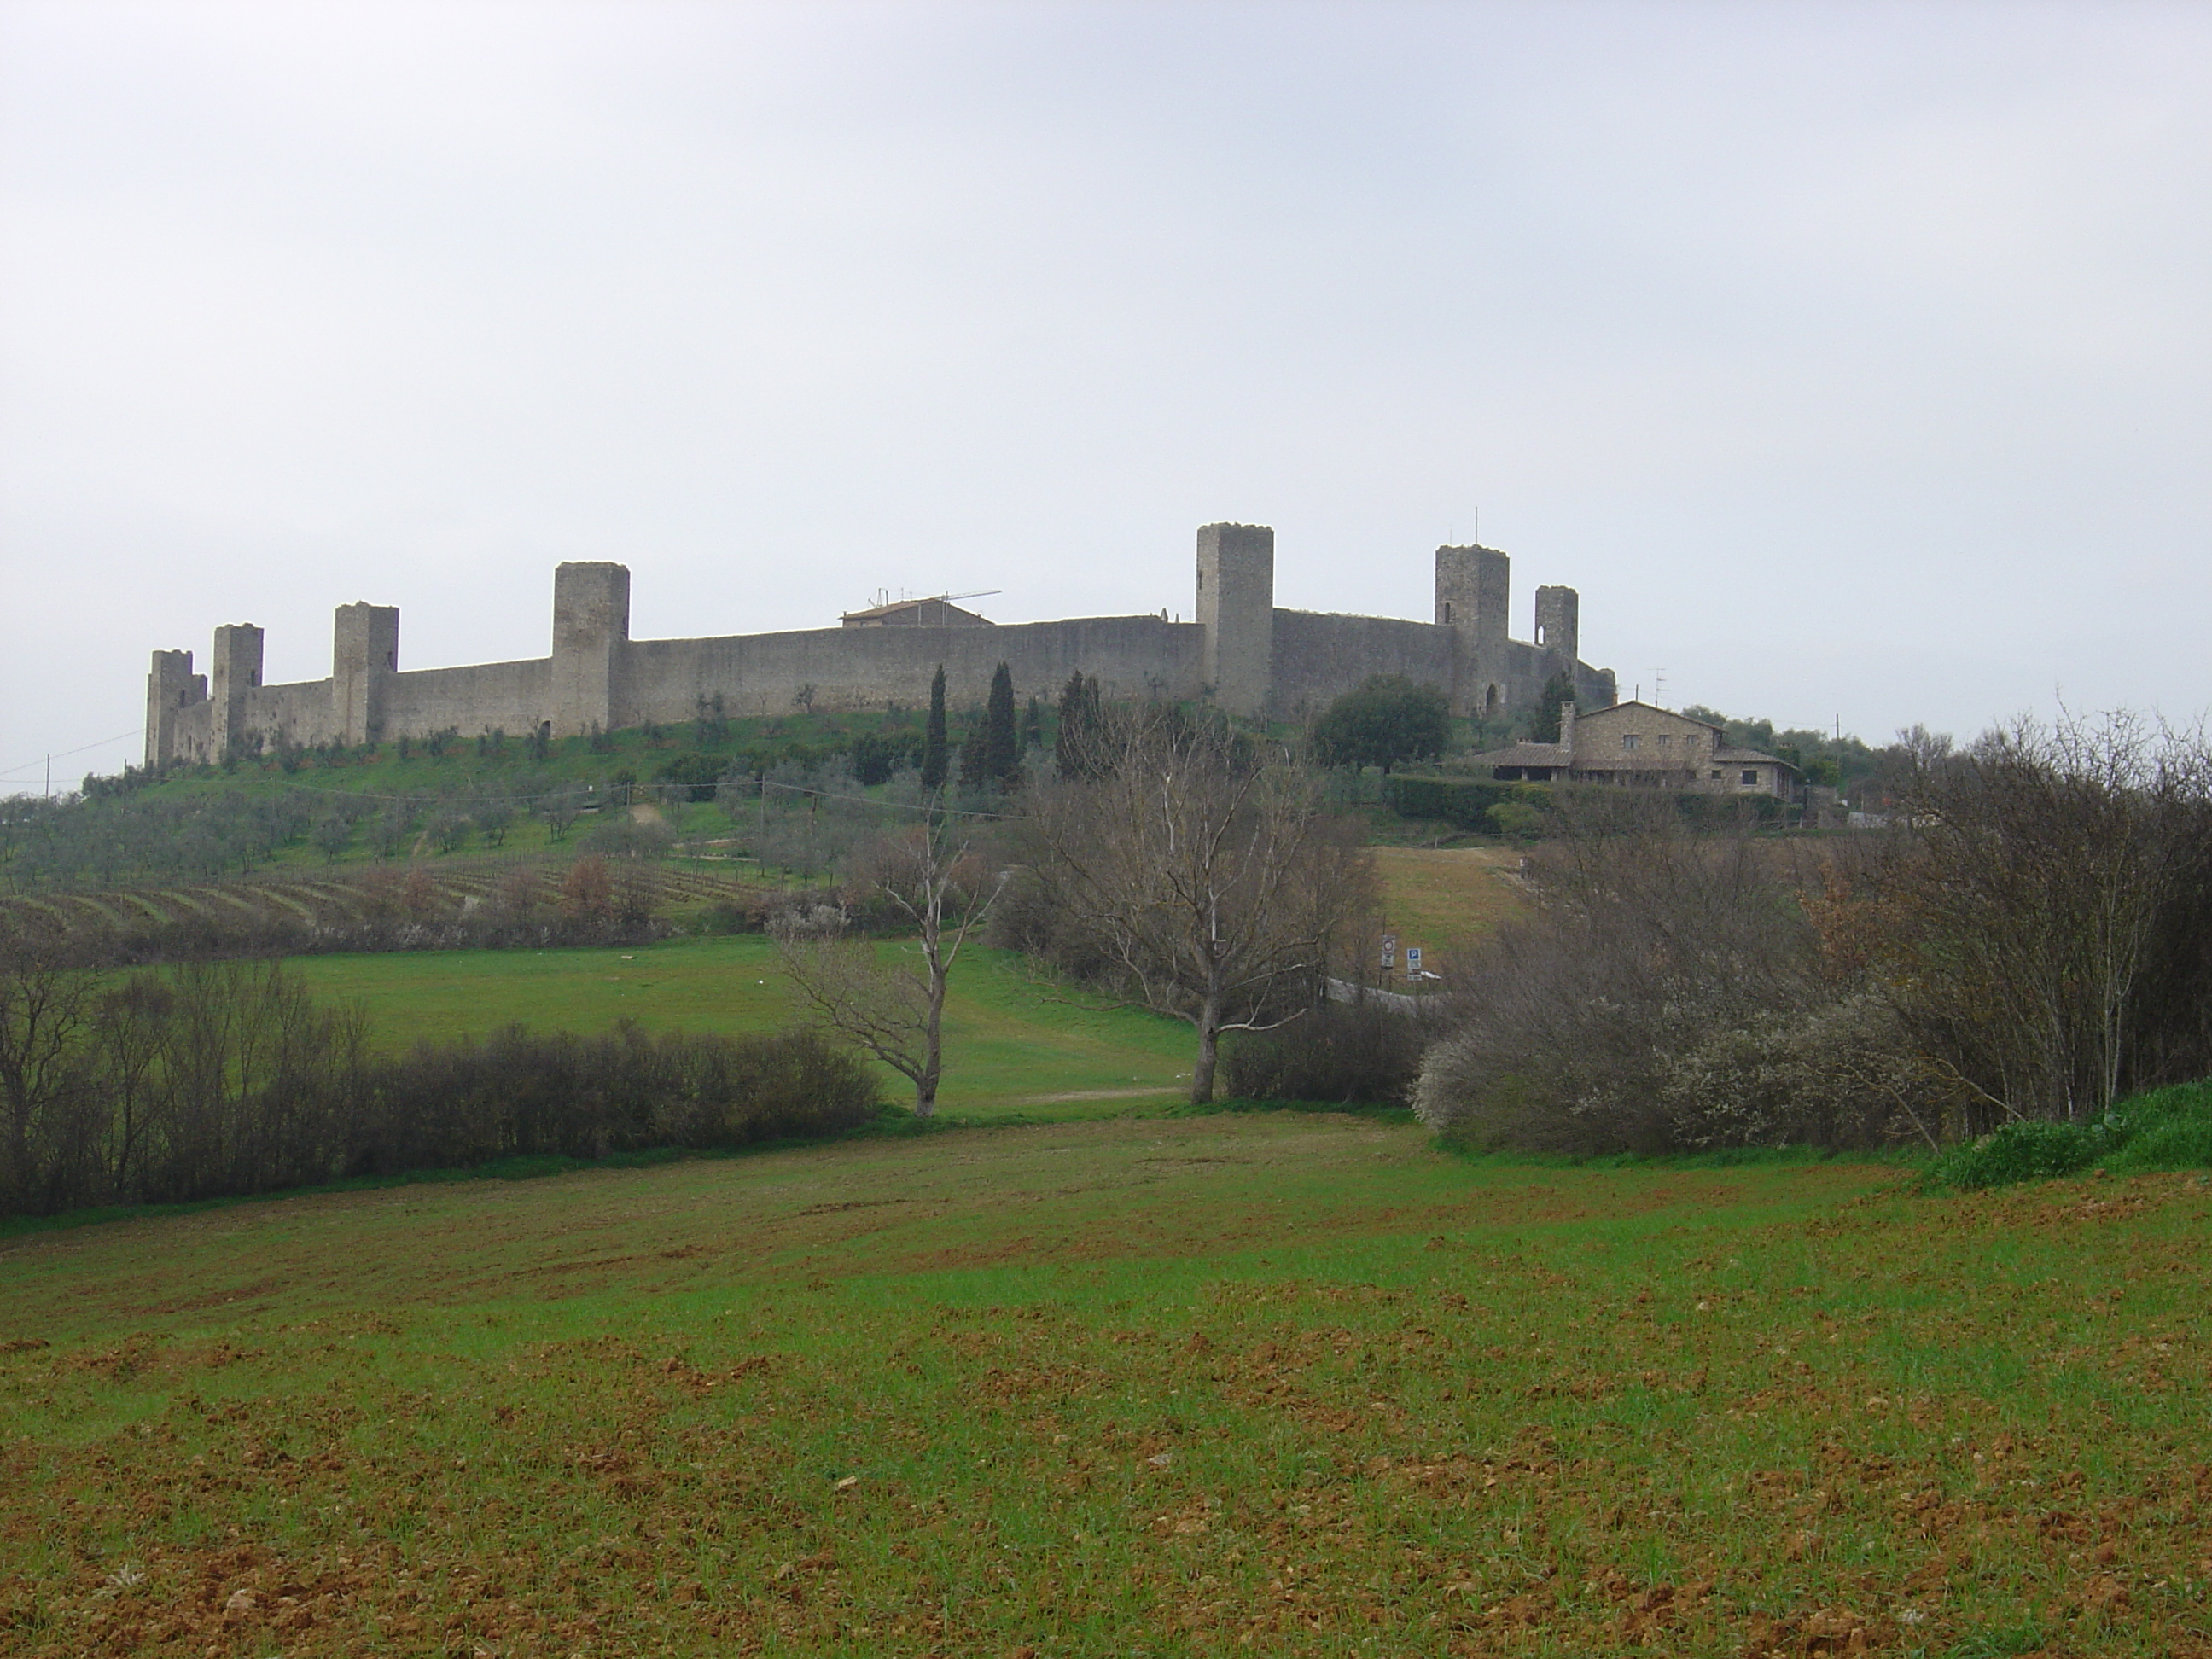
213	1079
2029	941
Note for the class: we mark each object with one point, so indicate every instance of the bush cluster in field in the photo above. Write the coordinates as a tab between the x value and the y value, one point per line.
214	1080
2166	1129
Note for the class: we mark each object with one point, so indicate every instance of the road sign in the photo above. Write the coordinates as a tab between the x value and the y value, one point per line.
1389	952
1412	958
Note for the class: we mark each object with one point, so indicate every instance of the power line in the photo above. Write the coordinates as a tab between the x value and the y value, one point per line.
64	754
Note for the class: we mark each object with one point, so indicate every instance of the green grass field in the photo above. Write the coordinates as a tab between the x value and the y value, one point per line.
1271	1383
1013	1043
1444	900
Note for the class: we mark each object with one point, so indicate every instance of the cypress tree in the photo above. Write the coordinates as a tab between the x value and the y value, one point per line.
1080	716
1559	689
1002	752
972	774
933	755
1032	735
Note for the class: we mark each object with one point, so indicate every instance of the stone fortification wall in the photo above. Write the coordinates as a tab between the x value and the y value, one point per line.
506	697
1247	655
299	714
1135	658
1319	655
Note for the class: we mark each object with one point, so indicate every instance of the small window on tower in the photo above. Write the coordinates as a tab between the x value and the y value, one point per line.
1446	613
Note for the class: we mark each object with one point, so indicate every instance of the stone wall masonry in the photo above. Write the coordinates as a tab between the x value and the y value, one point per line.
514	697
1134	658
1319	656
299	714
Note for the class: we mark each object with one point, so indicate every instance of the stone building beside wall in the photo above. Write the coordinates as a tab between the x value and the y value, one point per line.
1249	656
1636	745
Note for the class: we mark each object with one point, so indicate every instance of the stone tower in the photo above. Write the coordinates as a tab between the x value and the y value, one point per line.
1474	588
1558	627
171	688
234	670
1237	607
364	661
591	641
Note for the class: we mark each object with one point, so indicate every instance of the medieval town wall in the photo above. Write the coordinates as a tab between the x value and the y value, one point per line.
1134	658
1245	655
492	696
1321	655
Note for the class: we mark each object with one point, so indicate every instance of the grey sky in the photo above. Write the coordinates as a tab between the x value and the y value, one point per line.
1851	360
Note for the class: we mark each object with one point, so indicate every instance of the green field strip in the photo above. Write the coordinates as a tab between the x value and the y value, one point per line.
153	911
87	902
224	893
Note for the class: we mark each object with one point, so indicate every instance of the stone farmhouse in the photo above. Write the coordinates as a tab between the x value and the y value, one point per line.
1636	745
1249	656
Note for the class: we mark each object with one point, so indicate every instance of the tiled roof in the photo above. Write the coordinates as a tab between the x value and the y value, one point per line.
1524	754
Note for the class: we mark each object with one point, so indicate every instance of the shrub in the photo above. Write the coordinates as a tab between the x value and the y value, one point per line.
214	1080
517	1094
2031	1150
1359	1054
2168	1128
1664	967
1463	803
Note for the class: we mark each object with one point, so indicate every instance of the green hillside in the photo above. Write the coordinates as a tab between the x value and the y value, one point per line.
1013	1043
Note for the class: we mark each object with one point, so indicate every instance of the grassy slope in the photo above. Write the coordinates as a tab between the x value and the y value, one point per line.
1011	1044
1301	1383
1444	899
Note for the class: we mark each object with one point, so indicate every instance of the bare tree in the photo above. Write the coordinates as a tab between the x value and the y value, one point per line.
933	881
2055	868
1205	872
47	1004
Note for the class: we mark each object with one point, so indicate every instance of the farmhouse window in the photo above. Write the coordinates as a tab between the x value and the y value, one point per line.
1751	775
1630	740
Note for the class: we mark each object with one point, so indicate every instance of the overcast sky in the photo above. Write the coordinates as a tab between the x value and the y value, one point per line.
1853	361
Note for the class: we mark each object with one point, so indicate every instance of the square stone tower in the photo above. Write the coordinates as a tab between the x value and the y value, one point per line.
1237	607
234	672
364	661
1474	589
591	642
1559	627
171	688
